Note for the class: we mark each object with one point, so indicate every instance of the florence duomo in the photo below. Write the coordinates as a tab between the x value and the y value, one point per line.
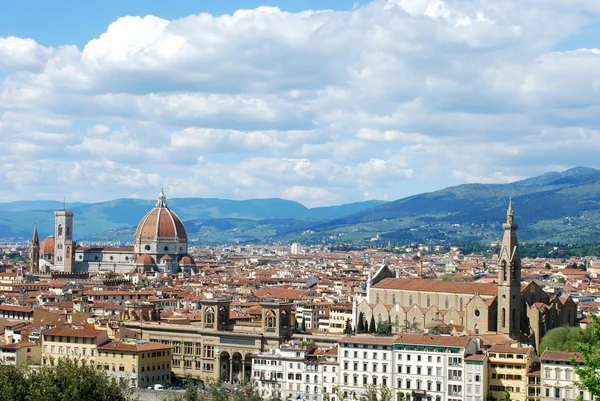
160	246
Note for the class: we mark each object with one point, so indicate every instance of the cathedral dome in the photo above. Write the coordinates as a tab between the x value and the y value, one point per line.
47	246
187	261
160	222
145	260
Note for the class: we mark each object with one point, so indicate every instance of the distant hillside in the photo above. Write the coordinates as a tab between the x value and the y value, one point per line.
553	206
99	220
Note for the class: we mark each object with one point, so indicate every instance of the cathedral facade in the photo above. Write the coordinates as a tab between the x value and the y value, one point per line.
523	311
160	246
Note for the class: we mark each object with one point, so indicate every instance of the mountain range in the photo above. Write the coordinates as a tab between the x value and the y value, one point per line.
556	206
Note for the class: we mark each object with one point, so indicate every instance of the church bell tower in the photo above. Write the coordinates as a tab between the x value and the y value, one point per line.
509	279
63	245
35	253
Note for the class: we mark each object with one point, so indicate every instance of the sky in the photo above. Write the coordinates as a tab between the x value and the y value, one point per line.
319	101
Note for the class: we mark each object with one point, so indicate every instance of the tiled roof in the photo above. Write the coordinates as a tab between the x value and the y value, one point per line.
438	286
133	346
68	332
561	355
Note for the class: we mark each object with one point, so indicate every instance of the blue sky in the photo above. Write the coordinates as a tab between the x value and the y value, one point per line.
76	22
380	99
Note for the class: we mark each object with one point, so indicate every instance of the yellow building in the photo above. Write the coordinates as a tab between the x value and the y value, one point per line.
71	343
509	366
140	362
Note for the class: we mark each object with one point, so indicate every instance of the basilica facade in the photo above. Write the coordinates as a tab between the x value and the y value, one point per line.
160	245
523	311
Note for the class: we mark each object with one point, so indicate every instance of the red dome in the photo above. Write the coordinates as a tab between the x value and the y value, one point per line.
160	222
47	246
187	260
145	260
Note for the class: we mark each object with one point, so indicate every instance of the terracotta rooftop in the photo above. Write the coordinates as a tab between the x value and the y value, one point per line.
438	286
132	346
69	332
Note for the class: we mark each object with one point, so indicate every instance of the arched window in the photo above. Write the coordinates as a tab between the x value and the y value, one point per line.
379	318
447	303
316	378
461	304
210	315
397	321
410	300
68	231
271	321
394	299
428	301
503	266
60	230
503	317
377	298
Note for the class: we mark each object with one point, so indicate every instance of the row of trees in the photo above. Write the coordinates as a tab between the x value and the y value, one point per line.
66	380
381	328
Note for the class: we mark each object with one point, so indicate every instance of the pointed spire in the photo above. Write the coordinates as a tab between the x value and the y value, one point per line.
162	199
35	240
510	211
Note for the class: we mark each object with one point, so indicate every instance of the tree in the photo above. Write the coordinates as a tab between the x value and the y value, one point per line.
566	338
348	328
506	396
370	393
275	396
372	327
65	380
589	370
303	325
191	392
386	393
384	328
361	324
400	395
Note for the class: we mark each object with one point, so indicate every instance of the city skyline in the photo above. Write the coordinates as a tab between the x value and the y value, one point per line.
372	100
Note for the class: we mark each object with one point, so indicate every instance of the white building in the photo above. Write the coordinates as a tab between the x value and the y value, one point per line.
298	373
558	378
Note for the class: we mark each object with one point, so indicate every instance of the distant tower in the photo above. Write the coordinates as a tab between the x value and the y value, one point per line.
509	279
35	253
63	246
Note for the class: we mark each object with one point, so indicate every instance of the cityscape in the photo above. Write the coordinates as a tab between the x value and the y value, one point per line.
332	200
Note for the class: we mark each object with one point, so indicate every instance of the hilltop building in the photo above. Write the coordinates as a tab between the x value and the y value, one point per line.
519	310
160	246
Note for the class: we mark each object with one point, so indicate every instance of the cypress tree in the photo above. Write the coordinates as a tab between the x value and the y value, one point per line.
372	327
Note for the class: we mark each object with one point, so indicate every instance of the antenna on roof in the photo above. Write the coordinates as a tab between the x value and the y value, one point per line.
64	203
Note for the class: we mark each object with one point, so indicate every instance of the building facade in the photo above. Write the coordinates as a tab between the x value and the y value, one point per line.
521	310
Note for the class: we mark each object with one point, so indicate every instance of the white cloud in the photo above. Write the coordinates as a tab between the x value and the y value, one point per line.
318	106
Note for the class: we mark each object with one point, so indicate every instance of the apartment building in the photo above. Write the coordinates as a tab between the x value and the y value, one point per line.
296	372
308	314
432	368
20	353
339	314
509	366
71	343
476	367
558	377
365	360
140	362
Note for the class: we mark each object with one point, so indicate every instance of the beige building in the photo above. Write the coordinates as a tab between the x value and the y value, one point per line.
521	310
21	353
71	343
508	369
558	377
218	347
140	362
